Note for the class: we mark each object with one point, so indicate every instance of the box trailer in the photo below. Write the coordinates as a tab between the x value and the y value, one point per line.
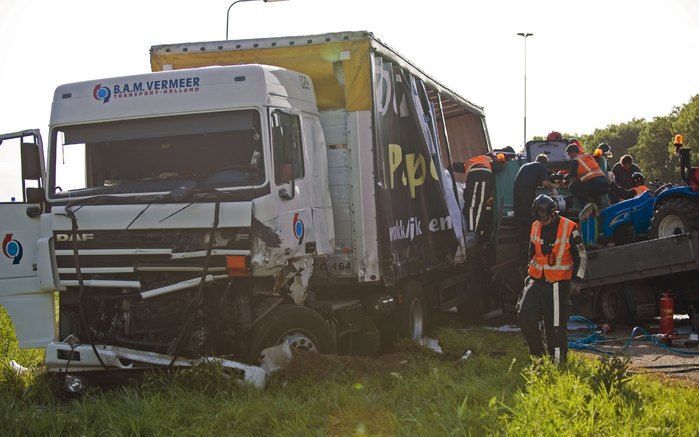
243	194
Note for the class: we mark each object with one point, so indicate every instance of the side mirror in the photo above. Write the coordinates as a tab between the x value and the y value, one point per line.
31	162
35	195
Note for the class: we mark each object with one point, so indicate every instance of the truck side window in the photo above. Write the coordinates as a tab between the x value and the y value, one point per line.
287	147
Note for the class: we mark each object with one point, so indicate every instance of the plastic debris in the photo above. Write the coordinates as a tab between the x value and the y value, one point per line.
276	357
431	343
18	368
503	328
466	355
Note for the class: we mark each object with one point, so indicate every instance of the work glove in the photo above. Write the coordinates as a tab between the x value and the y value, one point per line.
575	287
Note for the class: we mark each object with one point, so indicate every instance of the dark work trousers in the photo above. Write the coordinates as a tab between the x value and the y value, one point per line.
523	197
479	188
550	301
588	190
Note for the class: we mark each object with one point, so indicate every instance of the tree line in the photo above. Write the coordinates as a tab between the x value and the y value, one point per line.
650	142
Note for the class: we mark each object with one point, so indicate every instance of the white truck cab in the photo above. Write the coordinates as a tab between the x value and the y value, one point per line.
141	168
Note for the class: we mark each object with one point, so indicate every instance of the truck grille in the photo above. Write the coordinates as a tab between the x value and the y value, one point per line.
145	258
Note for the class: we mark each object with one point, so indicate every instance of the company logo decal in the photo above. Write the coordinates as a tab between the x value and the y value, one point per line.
101	93
148	88
12	249
299	228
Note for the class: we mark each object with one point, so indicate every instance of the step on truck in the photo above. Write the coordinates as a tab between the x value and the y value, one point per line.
244	194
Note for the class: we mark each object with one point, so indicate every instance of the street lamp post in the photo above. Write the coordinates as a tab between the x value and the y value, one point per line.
228	12
524	37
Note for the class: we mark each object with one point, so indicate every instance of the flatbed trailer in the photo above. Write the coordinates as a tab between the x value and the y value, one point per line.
624	282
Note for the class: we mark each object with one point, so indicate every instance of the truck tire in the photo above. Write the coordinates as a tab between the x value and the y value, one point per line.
412	311
302	327
675	216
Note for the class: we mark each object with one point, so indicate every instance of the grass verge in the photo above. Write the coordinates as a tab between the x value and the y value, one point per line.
409	392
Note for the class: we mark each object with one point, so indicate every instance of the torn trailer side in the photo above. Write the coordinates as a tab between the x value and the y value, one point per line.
300	195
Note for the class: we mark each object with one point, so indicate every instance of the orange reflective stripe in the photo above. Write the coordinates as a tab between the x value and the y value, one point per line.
558	265
640	189
588	167
481	160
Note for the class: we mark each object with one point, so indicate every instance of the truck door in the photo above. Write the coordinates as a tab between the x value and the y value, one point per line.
21	203
290	158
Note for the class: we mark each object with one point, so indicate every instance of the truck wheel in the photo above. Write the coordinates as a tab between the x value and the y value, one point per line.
412	311
675	216
612	305
301	327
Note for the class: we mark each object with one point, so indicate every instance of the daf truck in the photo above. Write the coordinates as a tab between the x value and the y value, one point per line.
242	195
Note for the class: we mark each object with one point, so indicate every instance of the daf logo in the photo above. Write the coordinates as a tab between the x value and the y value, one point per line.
80	237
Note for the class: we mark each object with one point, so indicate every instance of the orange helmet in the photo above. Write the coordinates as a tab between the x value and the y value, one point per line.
679	140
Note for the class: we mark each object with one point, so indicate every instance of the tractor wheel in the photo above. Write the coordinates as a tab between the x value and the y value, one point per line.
301	327
674	217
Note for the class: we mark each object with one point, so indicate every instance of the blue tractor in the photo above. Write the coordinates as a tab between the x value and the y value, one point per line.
669	210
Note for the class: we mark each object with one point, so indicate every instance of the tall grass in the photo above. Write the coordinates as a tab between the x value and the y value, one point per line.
411	392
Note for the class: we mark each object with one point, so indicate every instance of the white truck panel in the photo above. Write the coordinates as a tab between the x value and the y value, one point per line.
157	216
364	220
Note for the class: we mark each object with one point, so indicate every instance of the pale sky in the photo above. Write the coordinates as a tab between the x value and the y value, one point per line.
590	63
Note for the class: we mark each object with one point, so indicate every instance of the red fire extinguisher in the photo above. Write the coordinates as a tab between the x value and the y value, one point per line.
667	304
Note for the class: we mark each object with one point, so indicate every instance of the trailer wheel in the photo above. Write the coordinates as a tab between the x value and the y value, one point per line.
301	327
612	305
412	311
674	217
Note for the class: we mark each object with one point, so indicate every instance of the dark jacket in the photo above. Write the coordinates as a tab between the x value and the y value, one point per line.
623	176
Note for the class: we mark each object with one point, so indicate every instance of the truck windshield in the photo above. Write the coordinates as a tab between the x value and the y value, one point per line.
222	149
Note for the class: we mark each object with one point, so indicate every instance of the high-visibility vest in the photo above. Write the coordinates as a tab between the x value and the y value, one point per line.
557	265
588	167
640	189
483	161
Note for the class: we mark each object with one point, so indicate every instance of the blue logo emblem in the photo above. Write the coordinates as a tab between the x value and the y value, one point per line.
12	249
101	93
299	228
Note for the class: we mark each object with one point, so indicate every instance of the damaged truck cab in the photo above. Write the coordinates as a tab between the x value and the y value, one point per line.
295	190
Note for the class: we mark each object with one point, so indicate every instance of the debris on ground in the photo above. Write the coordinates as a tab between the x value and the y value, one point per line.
276	358
503	328
466	355
431	343
305	363
17	368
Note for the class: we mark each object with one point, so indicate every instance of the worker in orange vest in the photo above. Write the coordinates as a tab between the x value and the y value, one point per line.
478	190
639	187
556	270
589	180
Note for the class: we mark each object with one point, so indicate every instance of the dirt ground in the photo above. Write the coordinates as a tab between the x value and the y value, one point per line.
646	357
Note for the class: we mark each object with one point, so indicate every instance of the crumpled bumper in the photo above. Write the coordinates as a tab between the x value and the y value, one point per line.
63	357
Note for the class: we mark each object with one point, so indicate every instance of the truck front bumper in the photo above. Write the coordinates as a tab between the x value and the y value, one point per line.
66	358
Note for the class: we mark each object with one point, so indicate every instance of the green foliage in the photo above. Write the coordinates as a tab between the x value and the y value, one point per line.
649	141
653	151
620	137
571	401
494	392
612	374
